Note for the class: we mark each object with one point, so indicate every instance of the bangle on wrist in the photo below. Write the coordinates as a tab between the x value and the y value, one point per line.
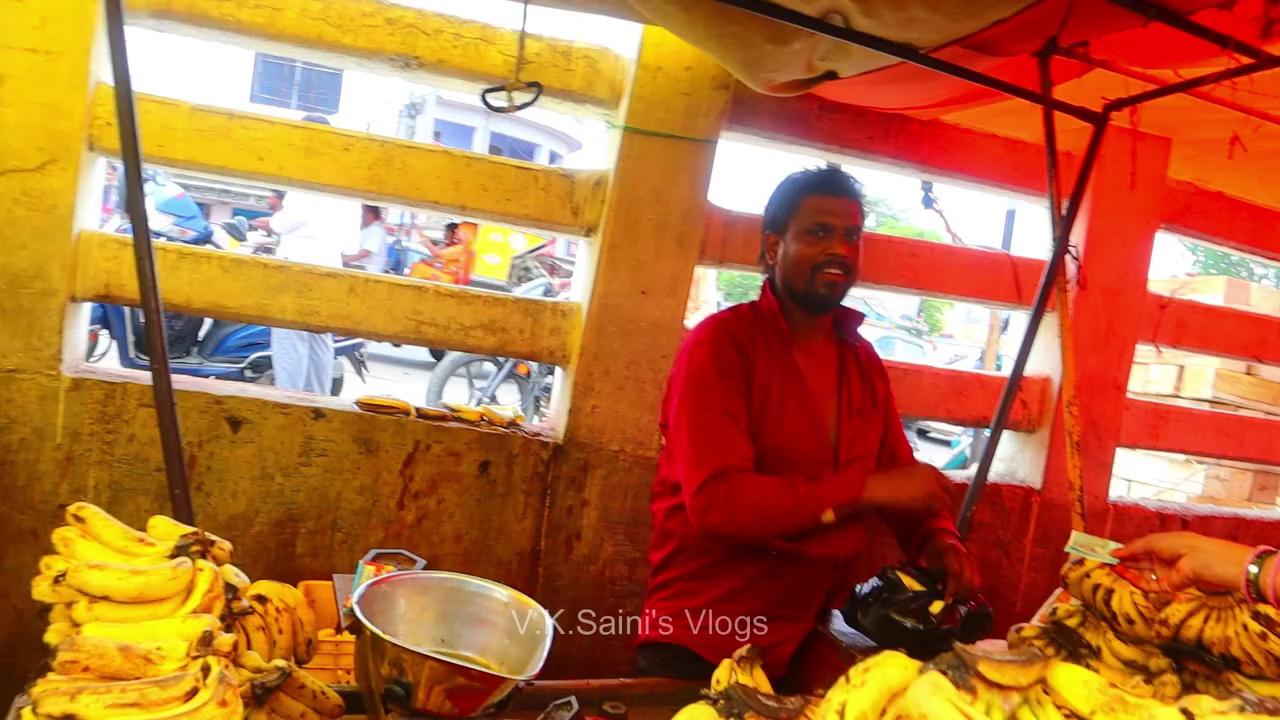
1272	577
1252	584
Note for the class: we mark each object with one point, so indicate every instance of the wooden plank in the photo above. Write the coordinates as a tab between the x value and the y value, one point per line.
1266	372
1204	383
1196	327
1224	219
1152	425
1152	354
964	397
319	157
934	269
390	37
284	294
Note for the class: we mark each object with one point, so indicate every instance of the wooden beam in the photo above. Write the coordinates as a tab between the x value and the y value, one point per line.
930	147
394	38
1212	330
963	397
319	157
989	277
1222	219
1153	425
274	292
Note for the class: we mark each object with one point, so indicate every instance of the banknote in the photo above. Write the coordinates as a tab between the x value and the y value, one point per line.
1092	547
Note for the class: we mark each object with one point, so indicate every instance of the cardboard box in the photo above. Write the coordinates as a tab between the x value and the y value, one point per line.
1228	483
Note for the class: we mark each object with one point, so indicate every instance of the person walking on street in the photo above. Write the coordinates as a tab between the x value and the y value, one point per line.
313	229
372	255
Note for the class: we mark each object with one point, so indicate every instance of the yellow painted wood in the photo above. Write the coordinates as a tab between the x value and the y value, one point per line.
402	38
318	157
650	242
275	292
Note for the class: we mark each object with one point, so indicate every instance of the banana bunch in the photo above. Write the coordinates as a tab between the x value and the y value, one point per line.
1224	624
273	620
201	689
1125	608
744	667
281	689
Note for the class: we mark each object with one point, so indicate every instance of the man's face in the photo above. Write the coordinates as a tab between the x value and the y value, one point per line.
816	261
274	202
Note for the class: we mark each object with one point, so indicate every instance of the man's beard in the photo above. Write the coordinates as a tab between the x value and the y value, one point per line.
813	301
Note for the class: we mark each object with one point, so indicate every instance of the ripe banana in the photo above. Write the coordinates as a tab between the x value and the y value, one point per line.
76	546
87	610
865	689
306	689
56	633
218	699
187	628
60	612
304	624
258	639
701	710
205	577
290	709
46	589
278	619
96	698
932	696
253	661
103	527
205	544
118	660
235	577
53	564
1177	621
131	583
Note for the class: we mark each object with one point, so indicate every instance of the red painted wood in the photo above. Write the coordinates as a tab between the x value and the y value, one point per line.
1151	425
1223	219
963	397
989	277
1199	327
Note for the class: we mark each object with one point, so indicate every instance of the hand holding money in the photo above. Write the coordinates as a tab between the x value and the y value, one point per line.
1092	547
1169	562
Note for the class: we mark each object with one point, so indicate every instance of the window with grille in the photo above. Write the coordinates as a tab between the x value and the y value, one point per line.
294	84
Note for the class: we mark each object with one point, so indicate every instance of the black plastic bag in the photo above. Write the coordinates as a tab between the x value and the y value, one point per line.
902	608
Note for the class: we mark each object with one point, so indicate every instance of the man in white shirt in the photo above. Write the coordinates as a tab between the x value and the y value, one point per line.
372	255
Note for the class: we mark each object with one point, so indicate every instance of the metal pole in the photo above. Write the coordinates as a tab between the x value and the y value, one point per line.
1063	222
1186	25
1183	86
144	257
798	19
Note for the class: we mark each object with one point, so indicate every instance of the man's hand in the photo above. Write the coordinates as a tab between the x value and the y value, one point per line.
261	223
944	553
913	489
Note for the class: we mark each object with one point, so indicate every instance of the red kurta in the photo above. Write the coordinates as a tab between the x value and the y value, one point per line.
747	467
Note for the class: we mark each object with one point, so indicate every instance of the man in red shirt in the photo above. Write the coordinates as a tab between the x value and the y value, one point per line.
781	444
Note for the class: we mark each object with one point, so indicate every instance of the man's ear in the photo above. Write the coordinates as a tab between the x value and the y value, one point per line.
770	243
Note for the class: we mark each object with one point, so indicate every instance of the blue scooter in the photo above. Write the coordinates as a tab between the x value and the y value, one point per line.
197	346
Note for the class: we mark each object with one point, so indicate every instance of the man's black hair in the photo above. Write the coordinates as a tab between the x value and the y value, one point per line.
279	193
316	118
829	181
451	227
373	209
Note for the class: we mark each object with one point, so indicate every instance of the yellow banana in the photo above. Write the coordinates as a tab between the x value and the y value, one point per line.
218	699
1191	629
749	669
57	632
46	589
208	545
1167	686
187	628
103	527
279	622
723	675
131	583
235	577
87	610
60	612
701	710
53	564
255	631
1131	682
867	687
1024	712
304	619
931	696
204	578
1043	705
306	689
98	699
76	546
118	660
253	661
258	713
1216	628
290	709
1068	614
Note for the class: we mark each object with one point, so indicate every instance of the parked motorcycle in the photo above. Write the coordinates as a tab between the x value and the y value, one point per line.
200	347
492	380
